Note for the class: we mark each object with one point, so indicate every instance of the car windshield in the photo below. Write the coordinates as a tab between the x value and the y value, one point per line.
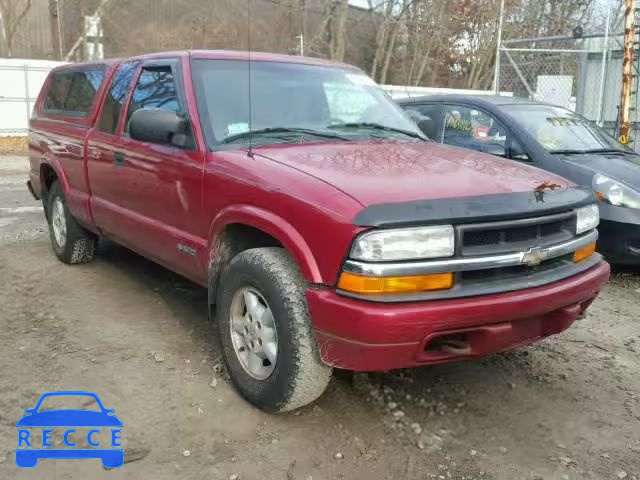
293	103
559	130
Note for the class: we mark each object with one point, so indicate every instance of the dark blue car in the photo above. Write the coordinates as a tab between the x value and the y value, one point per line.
27	456
554	139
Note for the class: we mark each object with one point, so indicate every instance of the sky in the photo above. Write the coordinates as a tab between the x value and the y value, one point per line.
359	3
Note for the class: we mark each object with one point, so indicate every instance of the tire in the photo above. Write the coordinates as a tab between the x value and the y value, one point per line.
298	376
71	242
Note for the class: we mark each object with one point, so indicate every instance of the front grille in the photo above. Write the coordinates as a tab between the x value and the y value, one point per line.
472	277
520	235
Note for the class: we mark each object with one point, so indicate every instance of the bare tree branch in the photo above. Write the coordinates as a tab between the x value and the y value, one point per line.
12	15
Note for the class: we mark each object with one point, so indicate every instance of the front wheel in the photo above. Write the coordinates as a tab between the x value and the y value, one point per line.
265	332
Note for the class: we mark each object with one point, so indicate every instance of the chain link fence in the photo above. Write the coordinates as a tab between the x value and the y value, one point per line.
584	75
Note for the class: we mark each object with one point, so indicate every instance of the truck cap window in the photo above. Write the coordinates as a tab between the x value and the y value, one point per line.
293	100
73	92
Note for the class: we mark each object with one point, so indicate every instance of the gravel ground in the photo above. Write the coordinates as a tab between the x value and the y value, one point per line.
138	336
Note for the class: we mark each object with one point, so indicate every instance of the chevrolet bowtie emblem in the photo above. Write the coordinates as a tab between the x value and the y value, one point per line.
534	256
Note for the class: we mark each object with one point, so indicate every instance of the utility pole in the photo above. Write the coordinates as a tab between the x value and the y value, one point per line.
496	74
54	21
603	71
624	120
300	39
298	14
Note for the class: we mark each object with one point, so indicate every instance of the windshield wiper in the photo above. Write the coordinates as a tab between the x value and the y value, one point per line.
304	131
606	150
566	152
594	150
377	126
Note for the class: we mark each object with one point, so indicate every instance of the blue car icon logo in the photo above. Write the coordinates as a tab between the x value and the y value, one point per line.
102	422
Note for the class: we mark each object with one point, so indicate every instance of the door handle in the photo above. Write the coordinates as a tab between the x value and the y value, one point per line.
118	159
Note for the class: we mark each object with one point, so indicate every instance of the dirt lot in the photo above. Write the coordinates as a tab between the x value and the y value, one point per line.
138	336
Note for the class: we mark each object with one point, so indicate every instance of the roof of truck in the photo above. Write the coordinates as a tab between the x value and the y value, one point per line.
219	55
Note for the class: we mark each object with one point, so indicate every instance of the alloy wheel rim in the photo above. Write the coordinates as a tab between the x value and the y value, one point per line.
59	223
253	333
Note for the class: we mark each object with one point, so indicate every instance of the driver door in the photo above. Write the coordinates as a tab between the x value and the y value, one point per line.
157	209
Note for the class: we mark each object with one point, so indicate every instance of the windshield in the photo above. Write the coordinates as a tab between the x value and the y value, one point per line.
294	103
558	129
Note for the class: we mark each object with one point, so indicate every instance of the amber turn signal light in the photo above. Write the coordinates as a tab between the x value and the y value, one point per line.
366	285
584	252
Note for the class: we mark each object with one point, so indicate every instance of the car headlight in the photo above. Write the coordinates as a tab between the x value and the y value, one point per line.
615	193
588	218
405	244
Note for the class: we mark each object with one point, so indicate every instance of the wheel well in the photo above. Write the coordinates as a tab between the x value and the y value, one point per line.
47	177
233	239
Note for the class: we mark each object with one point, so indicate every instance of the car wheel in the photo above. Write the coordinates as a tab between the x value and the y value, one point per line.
71	242
265	332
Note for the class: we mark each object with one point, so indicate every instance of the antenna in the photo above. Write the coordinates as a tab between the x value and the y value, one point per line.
249	73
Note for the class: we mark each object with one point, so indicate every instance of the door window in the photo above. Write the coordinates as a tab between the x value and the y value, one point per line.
474	129
115	98
155	88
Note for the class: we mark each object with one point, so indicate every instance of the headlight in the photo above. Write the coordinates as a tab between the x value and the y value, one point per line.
588	218
615	193
404	244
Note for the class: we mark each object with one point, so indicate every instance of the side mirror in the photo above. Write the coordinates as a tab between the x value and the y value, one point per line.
156	125
494	149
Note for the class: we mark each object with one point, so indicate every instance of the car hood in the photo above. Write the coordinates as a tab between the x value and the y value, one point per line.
69	418
624	168
381	172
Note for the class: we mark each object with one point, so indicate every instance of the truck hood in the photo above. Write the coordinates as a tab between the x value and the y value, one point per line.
382	172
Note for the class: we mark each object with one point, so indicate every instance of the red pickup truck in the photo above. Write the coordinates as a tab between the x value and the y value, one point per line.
328	231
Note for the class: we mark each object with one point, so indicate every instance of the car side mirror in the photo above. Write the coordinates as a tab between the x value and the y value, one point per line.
157	125
494	149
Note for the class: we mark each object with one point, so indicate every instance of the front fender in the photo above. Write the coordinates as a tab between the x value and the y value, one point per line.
273	225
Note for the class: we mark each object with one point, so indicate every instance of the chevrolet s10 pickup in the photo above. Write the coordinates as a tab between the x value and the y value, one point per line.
329	232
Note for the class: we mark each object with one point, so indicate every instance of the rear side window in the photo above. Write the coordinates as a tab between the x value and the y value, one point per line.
114	100
72	93
58	92
156	88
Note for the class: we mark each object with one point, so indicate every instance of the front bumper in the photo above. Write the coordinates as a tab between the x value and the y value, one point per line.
619	242
367	336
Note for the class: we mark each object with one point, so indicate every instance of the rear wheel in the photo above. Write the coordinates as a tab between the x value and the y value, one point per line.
265	333
71	242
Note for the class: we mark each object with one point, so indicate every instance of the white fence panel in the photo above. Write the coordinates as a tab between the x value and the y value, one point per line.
20	84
